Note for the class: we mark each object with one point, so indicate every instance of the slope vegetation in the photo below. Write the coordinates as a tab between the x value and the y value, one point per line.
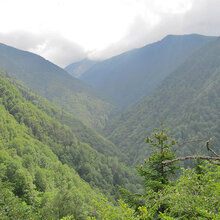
93	157
52	82
188	101
34	184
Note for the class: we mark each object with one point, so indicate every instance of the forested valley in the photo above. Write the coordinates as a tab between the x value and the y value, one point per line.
72	150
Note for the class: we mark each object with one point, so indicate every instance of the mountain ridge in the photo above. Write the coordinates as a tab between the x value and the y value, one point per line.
128	77
54	83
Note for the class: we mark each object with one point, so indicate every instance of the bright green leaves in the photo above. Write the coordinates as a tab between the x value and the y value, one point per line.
195	196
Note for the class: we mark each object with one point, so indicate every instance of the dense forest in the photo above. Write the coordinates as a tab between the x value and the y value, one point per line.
93	157
66	153
187	101
55	84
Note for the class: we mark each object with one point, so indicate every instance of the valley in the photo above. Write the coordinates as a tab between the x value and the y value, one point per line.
89	141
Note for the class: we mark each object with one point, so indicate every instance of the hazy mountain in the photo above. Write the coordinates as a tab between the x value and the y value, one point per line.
188	101
78	68
52	82
127	78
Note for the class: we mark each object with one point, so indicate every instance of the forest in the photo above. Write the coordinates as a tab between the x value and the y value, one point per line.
67	152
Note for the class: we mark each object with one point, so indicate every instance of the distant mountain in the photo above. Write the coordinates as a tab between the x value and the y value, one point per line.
127	78
188	101
78	68
54	83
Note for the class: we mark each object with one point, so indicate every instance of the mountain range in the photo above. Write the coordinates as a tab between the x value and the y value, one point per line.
187	101
65	142
127	78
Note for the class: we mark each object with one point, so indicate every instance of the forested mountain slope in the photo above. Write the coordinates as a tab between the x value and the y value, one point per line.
127	78
31	172
188	101
93	157
52	82
78	68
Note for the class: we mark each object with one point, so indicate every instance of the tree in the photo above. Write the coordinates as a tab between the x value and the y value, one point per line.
194	195
156	173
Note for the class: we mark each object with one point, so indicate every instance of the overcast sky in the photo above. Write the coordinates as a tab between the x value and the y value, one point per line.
65	31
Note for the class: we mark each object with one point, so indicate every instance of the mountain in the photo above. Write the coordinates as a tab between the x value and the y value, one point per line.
78	68
188	101
91	155
52	82
127	78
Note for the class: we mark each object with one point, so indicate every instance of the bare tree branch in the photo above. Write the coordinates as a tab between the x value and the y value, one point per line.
210	149
215	162
192	141
209	158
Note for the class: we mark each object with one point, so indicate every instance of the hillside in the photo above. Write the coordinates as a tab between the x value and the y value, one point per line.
78	68
52	82
188	101
127	78
93	157
34	184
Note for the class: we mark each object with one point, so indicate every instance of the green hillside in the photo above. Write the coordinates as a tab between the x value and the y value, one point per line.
52	82
188	101
93	157
129	77
34	184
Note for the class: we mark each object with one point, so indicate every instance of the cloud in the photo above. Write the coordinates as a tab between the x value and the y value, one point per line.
51	46
60	50
192	16
106	30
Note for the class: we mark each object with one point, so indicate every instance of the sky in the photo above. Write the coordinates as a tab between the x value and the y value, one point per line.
66	31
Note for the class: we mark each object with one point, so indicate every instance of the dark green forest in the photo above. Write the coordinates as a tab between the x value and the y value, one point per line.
68	154
188	101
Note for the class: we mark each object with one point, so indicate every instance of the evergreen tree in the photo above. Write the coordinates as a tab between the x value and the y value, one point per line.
155	173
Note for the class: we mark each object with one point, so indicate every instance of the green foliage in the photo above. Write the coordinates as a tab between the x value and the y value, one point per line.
194	196
156	175
11	207
121	212
154	172
34	184
28	126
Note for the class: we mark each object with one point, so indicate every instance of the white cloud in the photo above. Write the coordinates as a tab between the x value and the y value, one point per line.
51	46
68	30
